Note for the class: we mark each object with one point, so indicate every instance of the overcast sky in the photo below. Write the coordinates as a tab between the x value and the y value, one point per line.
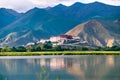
24	5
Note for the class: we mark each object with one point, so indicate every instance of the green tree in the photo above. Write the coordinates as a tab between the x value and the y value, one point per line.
6	49
106	49
35	48
115	48
0	49
58	48
21	49
13	49
98	49
47	45
44	74
84	48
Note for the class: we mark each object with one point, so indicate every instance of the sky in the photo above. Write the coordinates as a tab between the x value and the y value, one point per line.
24	5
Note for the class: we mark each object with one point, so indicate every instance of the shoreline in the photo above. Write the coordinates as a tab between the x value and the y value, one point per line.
60	53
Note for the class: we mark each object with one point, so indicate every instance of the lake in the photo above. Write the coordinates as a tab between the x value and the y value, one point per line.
83	67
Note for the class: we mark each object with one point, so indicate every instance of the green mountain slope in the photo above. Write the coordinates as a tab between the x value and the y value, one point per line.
33	25
7	16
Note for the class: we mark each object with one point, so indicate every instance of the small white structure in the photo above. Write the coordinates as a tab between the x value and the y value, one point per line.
84	42
43	41
76	38
30	44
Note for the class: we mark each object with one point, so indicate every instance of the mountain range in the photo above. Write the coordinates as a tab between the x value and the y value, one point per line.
20	28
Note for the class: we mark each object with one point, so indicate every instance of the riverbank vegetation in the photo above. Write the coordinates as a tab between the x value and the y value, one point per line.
60	53
47	49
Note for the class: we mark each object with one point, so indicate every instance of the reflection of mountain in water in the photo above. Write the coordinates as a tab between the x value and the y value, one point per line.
83	67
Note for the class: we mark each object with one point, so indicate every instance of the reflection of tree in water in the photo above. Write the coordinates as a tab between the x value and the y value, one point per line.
44	74
2	77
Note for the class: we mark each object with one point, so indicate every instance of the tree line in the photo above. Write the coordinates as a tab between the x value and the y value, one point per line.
49	47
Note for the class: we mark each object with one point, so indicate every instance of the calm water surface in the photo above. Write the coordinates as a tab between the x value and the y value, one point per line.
60	68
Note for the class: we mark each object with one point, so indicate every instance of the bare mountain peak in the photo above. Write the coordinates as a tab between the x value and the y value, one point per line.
93	23
93	32
96	33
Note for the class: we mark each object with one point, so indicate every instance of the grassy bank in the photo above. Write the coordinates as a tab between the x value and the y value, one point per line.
60	53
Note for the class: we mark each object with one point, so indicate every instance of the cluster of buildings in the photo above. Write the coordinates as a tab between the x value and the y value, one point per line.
63	40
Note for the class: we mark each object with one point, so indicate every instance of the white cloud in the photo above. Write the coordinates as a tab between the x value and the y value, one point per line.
19	5
24	5
111	2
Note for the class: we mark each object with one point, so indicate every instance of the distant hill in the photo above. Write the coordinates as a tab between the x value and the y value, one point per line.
97	33
19	29
83	12
8	16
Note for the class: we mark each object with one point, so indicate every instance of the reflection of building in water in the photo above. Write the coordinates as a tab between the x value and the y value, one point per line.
30	61
42	62
81	67
76	70
57	63
110	60
73	66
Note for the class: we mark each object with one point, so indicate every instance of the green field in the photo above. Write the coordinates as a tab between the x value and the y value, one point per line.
60	53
